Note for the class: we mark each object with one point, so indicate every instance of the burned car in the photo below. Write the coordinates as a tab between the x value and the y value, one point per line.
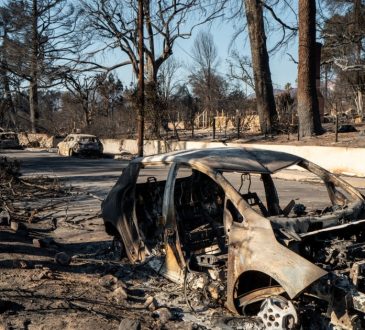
80	144
9	140
287	264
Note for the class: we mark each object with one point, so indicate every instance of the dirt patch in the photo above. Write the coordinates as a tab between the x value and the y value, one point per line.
349	139
60	270
345	139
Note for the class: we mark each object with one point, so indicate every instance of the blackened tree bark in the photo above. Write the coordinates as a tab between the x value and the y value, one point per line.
140	116
33	81
308	109
260	62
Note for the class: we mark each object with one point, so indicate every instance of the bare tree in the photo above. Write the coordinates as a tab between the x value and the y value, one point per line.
11	21
240	69
84	90
169	84
261	68
39	44
167	78
110	89
204	78
164	22
343	33
308	108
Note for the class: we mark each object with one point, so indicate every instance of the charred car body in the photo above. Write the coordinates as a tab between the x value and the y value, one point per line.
282	263
80	144
9	140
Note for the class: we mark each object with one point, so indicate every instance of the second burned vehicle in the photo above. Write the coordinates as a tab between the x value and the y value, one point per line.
289	264
9	140
80	144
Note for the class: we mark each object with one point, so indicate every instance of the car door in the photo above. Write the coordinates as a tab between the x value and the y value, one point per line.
192	220
123	211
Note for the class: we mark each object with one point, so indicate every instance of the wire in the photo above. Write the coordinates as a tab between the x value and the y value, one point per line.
243	178
185	291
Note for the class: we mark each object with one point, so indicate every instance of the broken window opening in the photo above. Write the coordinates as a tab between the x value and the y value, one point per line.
148	203
199	205
254	195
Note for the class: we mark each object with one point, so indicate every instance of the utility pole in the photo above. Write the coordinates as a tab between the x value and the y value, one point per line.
140	115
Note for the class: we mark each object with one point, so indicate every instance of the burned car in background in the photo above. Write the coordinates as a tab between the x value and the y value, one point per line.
80	144
9	140
257	254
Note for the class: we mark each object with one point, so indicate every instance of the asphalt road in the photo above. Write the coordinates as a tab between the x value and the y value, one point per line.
97	176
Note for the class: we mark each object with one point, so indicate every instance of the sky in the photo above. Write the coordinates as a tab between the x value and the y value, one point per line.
283	69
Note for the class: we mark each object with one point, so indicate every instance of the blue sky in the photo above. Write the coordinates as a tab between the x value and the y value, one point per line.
283	70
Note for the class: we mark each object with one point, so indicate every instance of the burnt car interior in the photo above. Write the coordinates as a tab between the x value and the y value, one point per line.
328	234
200	205
87	139
8	136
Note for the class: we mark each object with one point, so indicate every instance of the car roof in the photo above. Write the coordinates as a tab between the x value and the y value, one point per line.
228	159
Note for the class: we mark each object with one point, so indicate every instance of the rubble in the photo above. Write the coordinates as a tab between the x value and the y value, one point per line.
43	242
62	258
120	295
130	324
150	304
14	225
45	273
16	194
108	281
163	314
21	264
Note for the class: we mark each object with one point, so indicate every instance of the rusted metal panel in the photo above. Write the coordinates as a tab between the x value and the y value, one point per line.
118	209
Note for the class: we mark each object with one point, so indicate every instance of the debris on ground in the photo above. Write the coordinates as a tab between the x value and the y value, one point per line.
346	129
59	269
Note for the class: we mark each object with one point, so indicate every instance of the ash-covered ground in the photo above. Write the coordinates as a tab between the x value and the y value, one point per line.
60	270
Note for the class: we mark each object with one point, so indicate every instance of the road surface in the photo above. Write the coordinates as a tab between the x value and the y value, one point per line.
98	175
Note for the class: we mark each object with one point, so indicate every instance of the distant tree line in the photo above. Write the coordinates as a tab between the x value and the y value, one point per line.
53	76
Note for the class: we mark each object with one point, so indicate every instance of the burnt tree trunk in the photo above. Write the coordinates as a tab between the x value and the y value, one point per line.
33	84
9	104
358	24
260	62
140	115
86	106
308	107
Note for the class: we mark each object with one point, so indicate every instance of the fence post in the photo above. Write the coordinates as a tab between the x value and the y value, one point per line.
238	126
213	128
